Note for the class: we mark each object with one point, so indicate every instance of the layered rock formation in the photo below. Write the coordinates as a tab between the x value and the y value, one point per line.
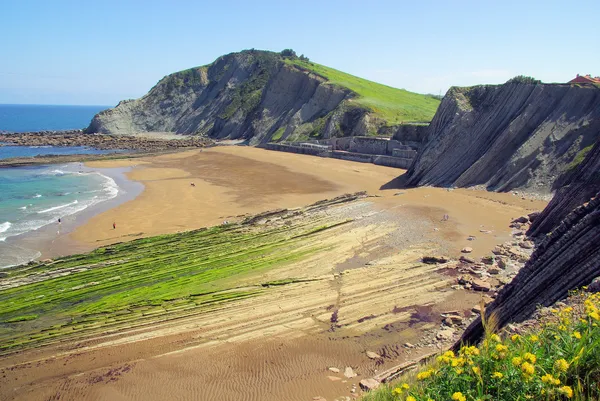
566	259
579	184
255	95
507	136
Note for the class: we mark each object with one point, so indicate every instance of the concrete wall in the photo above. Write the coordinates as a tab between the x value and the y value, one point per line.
317	150
390	161
355	157
405	153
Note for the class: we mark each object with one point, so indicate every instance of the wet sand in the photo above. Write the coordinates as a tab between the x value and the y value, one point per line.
366	289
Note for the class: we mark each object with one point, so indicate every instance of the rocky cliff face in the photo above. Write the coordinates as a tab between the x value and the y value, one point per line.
578	185
566	259
248	95
507	136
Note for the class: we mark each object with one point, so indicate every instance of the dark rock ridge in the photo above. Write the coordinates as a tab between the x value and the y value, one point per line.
251	95
566	259
578	186
99	141
507	136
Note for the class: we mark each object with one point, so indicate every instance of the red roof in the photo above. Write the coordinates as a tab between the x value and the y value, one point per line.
585	79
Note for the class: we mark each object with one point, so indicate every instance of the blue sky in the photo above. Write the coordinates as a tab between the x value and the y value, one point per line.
99	52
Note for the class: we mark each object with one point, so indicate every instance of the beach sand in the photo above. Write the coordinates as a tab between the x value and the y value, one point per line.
276	346
233	181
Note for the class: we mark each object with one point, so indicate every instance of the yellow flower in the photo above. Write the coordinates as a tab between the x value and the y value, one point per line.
534	338
501	348
549	379
496	337
404	386
528	368
562	327
426	374
459	371
411	398
458	362
561	365
577	335
594	315
497	375
515	337
530	357
517	361
568	309
471	350
458	396
566	390
476	370
397	391
554	310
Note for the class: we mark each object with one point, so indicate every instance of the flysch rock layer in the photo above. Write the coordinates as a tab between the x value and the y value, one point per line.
507	136
247	95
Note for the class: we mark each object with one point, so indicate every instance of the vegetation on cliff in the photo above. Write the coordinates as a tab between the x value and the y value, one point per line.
558	359
393	105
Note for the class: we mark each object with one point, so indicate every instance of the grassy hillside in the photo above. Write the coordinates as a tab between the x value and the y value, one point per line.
391	104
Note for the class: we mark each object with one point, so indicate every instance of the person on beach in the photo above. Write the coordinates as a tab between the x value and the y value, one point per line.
192	184
59	220
445	218
114	226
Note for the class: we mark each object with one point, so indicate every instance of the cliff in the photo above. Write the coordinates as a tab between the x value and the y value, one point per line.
509	136
263	96
578	185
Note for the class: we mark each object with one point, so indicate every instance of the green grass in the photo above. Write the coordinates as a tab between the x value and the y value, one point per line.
579	157
278	134
148	280
393	105
558	360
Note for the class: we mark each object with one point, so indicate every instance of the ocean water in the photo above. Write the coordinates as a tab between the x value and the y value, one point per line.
29	117
37	196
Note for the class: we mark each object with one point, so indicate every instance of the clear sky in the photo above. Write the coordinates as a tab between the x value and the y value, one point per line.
99	52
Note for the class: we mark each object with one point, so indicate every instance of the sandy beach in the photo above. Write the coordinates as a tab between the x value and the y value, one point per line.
234	181
365	288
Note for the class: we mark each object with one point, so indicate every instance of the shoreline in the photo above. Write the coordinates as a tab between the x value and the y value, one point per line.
50	243
158	185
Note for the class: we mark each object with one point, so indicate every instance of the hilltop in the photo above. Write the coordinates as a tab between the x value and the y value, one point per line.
263	96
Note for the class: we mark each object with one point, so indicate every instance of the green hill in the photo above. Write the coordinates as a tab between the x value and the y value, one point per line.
393	105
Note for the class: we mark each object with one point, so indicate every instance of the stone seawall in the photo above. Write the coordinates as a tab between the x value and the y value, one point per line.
391	161
315	150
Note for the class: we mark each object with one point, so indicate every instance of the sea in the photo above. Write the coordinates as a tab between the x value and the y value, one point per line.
35	197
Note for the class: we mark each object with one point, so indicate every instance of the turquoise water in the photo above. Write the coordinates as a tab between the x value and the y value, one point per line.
34	197
26	117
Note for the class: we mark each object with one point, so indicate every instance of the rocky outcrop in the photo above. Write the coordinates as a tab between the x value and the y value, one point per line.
254	95
566	259
507	136
579	184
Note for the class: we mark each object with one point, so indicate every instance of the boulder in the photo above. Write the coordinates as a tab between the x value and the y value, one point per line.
480	285
488	260
349	372
494	270
369	384
334	370
533	216
526	244
466	259
445	334
594	285
522	219
435	259
373	355
467	249
3	274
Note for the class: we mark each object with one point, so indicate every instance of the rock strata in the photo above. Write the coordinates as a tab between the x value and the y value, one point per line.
507	136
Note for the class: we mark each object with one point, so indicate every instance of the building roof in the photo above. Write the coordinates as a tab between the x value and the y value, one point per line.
585	79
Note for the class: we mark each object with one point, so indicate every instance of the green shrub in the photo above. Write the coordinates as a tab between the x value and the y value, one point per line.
523	79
